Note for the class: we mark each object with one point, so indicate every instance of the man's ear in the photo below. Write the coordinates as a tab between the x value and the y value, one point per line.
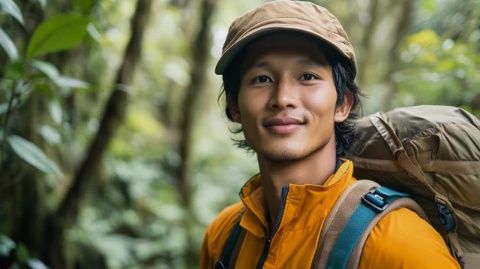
343	110
234	112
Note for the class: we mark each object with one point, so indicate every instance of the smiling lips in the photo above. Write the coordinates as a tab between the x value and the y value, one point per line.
283	125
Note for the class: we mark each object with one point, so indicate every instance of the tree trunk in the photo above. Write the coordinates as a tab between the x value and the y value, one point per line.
402	27
200	55
112	117
366	43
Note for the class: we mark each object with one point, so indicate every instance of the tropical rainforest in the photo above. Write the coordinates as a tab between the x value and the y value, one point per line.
115	151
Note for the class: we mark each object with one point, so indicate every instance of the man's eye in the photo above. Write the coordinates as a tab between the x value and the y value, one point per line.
308	76
262	79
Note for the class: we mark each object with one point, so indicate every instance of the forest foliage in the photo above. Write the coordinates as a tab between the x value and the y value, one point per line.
115	151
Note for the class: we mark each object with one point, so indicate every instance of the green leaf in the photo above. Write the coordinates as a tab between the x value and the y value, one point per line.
14	71
68	82
22	90
84	6
22	253
93	32
50	134
58	33
33	155
9	7
3	108
6	246
56	111
61	81
8	45
36	264
46	68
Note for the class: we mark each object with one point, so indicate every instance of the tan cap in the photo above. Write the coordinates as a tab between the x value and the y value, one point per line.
281	15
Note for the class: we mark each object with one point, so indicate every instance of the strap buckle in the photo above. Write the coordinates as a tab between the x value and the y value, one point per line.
446	215
375	201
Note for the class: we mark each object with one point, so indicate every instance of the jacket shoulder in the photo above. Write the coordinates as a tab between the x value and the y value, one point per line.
217	234
402	239
224	221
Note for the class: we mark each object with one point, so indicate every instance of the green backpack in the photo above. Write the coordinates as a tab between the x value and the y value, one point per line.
432	153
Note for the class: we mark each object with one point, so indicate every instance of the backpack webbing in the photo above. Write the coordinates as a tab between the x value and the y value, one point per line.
231	248
332	227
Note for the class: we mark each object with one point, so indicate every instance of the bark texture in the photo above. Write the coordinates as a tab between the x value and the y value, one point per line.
113	116
401	29
367	38
200	49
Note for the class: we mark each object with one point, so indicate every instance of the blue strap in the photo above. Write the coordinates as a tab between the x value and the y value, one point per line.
446	216
372	204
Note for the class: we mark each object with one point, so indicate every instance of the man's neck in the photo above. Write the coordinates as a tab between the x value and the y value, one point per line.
313	169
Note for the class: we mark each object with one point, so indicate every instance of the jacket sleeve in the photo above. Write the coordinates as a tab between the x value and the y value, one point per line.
404	240
206	260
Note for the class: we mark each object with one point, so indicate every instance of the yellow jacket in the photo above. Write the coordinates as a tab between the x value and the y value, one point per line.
400	240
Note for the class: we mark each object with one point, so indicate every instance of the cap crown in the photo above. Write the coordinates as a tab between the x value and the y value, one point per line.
281	15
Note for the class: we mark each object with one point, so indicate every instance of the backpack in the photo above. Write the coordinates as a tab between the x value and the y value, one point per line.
430	152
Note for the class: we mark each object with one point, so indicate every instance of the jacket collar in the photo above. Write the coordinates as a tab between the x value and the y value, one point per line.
300	198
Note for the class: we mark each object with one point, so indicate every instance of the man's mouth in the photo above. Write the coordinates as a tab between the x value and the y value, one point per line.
283	125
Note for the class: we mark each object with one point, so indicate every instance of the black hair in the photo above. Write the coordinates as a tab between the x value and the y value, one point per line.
343	77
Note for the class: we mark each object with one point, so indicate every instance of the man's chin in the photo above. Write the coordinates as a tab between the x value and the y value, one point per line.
282	155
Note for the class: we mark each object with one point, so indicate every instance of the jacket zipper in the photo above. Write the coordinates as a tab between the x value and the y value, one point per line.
266	247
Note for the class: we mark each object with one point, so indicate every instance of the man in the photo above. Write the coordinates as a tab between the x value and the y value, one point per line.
288	70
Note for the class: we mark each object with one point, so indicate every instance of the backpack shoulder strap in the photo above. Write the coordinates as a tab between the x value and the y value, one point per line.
352	218
337	218
397	202
232	247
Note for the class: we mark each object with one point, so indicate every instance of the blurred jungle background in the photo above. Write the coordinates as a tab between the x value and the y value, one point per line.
115	152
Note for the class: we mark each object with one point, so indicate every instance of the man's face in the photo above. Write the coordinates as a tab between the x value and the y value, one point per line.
287	98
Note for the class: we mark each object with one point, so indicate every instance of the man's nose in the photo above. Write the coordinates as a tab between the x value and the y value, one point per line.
283	94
